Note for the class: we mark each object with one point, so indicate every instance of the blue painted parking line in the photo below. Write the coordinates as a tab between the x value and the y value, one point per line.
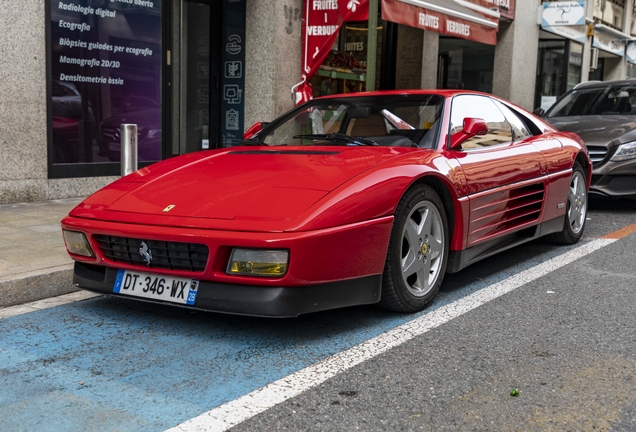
107	363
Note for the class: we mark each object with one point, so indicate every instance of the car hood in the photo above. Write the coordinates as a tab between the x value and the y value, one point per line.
598	129
245	183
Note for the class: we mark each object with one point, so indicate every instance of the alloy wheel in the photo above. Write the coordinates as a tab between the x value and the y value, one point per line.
422	248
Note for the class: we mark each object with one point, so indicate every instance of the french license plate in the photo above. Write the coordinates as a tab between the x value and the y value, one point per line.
114	146
156	287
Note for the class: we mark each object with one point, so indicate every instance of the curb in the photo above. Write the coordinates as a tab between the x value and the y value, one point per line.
36	285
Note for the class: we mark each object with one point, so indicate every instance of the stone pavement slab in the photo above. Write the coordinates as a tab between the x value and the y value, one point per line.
34	264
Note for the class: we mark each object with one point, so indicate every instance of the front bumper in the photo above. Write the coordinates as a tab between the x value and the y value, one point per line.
614	187
315	257
271	301
328	268
614	180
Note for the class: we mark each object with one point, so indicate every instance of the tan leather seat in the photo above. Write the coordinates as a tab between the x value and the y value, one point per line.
370	126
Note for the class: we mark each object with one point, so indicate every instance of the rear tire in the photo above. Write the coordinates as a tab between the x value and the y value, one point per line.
418	252
576	211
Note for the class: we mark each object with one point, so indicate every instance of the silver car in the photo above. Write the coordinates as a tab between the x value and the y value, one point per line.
603	114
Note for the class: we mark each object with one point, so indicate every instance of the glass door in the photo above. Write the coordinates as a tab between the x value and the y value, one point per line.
551	72
198	70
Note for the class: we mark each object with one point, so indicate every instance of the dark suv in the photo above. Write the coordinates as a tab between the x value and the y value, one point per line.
603	114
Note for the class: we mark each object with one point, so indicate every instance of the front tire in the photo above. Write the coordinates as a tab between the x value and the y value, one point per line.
418	252
576	212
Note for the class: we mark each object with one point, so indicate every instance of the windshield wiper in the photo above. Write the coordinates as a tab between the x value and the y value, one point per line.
252	142
338	137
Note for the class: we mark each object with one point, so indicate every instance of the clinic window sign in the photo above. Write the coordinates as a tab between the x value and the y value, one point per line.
104	69
568	13
232	102
608	42
566	19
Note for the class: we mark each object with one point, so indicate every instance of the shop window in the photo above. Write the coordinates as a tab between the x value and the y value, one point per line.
575	58
551	69
345	68
597	74
105	69
610	13
464	64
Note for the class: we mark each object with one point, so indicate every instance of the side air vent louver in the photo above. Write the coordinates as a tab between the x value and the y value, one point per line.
505	211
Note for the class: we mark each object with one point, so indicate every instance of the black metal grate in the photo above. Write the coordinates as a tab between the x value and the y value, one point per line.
165	254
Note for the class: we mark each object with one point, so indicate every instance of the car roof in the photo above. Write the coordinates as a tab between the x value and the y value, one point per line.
441	92
601	84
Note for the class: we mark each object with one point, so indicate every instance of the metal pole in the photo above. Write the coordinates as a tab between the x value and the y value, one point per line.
372	41
128	133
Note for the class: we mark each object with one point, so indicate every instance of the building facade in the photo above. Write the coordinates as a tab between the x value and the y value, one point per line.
194	74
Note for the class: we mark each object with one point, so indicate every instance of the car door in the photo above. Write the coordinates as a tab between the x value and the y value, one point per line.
503	170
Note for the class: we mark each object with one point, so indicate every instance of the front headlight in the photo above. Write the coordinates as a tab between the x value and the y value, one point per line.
624	152
256	262
77	243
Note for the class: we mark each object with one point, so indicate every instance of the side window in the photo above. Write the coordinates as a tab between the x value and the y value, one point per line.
499	130
519	128
577	102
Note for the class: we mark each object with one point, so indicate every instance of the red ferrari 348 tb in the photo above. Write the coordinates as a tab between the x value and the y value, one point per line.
345	200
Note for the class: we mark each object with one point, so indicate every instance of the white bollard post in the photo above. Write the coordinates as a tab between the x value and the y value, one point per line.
128	133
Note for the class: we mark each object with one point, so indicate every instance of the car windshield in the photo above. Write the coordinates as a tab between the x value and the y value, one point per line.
397	120
610	100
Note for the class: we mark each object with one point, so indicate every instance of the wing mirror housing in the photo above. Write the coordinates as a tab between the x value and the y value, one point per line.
472	127
539	112
254	129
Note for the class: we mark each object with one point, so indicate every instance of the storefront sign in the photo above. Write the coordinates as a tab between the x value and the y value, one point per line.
415	14
323	19
105	70
568	13
506	7
575	33
608	42
630	52
232	86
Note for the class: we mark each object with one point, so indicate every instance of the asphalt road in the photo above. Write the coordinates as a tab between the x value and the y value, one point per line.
566	340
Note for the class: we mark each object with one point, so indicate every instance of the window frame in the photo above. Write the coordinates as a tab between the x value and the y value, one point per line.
488	147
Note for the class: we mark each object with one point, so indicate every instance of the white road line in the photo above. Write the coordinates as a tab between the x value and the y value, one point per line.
47	303
237	411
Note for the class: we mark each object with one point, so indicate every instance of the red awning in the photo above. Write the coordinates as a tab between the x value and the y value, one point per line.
444	17
323	20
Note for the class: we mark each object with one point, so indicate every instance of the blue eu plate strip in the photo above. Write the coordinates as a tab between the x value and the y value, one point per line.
118	281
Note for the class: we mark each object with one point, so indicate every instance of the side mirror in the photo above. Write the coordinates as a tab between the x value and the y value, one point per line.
539	112
254	129
472	127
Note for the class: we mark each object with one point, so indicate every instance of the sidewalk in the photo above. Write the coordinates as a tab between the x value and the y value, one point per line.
33	261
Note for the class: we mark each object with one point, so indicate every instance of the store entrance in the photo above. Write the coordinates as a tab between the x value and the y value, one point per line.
465	64
196	70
